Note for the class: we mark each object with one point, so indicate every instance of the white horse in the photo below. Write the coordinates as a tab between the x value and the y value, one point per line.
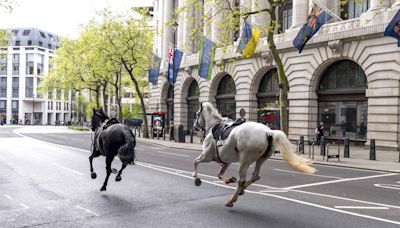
247	143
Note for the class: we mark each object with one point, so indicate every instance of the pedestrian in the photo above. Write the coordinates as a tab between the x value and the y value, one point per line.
320	132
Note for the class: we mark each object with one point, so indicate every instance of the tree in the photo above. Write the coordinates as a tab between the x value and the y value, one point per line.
7	6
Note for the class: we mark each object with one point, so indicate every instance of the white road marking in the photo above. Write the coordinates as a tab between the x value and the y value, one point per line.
24	205
359	207
11	220
179	155
87	210
284	198
388	186
9	197
70	170
273	190
317	175
20	173
149	147
341	180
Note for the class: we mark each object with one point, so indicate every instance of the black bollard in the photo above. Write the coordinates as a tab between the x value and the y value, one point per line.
191	136
372	150
181	134
158	134
152	133
171	133
163	134
346	148
139	132
322	145
301	145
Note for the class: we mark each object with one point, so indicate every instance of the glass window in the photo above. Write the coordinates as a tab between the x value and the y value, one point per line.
15	60
28	87
3	87
29	42
30	64
285	15
40	64
17	43
343	74
40	43
42	34
39	94
353	8
3	106
14	105
3	64
26	32
15	32
194	89
15	87
269	82
226	86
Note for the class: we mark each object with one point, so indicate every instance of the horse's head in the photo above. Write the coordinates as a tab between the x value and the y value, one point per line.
98	118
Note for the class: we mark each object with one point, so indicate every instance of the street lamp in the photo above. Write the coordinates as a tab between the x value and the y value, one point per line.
174	28
33	108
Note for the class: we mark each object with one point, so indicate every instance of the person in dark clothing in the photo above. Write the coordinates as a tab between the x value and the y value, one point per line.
320	130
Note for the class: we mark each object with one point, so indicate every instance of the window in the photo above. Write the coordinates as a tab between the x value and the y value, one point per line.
3	106
15	32
14	106
15	62
17	43
29	42
3	87
28	87
226	97
236	32
39	64
51	37
226	86
50	94
29	64
268	100
269	82
3	64
42	34
49	46
40	43
353	8
58	94
285	15
37	85
343	74
15	87
26	32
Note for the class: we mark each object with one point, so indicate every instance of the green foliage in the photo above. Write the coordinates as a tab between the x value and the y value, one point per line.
78	128
131	111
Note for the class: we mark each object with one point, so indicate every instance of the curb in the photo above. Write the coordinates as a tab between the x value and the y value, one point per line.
155	142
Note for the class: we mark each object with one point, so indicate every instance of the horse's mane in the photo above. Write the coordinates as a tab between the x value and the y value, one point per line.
213	111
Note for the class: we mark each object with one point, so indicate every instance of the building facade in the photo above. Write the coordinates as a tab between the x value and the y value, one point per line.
23	64
348	75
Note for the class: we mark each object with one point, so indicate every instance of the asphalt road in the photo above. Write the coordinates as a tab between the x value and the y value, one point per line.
47	185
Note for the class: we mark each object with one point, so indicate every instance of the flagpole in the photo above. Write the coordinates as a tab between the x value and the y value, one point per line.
327	10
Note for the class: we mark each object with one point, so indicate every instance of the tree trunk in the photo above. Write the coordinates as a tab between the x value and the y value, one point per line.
145	125
283	83
104	96
98	96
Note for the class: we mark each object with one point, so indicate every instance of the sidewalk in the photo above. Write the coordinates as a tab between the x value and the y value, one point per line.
359	155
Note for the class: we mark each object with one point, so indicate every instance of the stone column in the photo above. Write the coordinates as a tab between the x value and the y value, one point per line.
333	6
300	13
216	21
167	33
261	19
187	28
181	28
208	9
379	4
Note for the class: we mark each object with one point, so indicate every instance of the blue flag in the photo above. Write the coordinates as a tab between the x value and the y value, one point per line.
154	69
248	41
170	72
315	20
176	63
246	35
393	28
206	57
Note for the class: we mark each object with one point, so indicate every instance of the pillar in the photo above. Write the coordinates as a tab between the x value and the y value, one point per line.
260	20
300	13
379	4
167	32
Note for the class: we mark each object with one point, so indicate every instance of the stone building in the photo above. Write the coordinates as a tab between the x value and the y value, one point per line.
348	75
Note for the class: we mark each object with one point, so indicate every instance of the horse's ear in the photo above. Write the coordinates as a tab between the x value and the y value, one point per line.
101	109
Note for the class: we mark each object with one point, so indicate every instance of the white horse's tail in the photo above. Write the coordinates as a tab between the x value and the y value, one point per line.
287	150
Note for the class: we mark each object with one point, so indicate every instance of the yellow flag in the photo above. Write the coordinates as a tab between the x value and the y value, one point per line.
250	48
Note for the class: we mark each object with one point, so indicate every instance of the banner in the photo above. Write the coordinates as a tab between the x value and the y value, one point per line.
177	63
393	28
314	22
154	69
170	67
248	41
206	57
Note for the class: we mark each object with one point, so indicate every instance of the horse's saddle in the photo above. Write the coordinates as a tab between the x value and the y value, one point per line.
222	130
109	123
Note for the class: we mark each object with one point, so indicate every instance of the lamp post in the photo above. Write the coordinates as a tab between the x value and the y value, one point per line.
174	28
33	108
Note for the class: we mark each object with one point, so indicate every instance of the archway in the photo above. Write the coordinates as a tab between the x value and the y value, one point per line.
268	100
170	106
225	97
342	104
192	102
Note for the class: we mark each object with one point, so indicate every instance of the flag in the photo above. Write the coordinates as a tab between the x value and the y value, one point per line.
393	28
248	41
315	20
154	69
170	67
206	57
176	63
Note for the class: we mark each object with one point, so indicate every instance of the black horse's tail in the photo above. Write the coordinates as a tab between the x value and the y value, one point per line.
128	149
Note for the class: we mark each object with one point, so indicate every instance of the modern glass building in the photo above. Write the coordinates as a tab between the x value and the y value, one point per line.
348	75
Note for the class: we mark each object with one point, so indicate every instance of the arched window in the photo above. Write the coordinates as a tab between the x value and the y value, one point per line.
342	104
226	97
192	102
267	99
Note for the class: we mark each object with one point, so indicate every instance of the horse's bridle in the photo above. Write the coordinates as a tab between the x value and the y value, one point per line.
198	115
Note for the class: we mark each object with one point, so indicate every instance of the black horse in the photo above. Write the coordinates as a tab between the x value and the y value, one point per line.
111	138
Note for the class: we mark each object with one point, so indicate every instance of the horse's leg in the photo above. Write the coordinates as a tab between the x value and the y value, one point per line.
256	174
94	154
109	160
244	166
221	172
201	158
118	177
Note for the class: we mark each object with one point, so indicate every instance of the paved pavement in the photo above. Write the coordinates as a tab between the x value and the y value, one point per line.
359	156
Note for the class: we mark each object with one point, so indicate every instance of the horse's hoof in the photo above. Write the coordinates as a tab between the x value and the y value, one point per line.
118	178
103	188
197	181
93	175
229	204
241	192
114	171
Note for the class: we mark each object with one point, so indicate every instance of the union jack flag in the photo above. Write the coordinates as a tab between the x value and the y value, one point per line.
170	62
315	20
